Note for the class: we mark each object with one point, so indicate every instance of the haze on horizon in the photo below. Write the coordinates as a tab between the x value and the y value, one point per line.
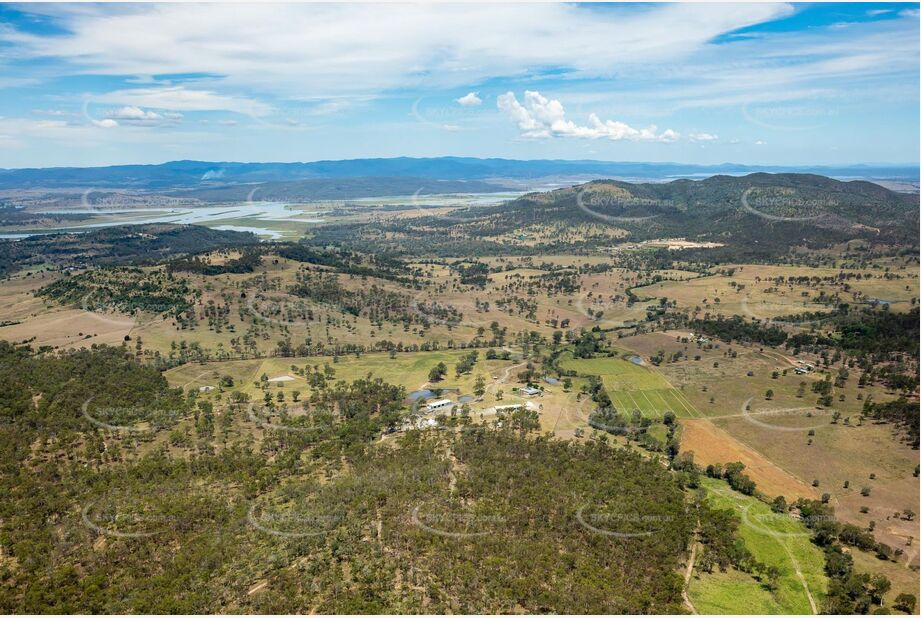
769	84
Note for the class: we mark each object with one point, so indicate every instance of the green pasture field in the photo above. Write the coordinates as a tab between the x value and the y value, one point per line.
633	387
775	540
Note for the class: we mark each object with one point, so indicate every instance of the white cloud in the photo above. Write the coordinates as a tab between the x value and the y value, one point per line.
703	137
183	99
86	136
133	113
314	52
470	99
760	143
137	116
23	130
302	60
541	117
821	67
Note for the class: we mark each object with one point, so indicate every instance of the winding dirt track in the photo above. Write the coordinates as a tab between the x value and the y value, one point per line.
799	573
793	561
688	572
505	375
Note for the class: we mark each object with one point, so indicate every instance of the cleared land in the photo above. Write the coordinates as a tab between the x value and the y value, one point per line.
755	290
787	442
632	386
775	540
560	411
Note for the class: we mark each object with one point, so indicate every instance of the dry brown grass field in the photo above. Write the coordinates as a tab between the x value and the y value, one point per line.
788	442
601	301
751	290
23	317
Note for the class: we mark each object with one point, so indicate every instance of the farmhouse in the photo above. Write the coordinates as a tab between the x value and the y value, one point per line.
530	391
440	404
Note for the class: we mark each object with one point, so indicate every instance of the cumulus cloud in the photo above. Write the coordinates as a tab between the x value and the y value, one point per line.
703	137
540	117
470	99
132	115
135	115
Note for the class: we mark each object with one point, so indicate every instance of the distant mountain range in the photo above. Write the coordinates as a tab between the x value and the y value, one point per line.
203	175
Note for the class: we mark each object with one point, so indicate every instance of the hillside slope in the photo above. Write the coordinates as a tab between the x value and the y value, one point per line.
771	211
123	244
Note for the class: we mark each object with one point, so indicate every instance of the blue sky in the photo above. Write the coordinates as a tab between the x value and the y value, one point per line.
758	83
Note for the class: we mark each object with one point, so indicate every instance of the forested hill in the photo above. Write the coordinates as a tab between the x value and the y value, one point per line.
121	244
767	210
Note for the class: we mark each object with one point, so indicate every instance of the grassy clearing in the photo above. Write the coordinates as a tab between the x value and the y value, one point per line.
632	386
732	592
560	412
409	370
773	539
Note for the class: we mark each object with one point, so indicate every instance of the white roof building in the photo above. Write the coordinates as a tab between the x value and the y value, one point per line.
438	405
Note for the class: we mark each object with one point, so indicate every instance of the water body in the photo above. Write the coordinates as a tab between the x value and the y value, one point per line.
258	231
202	215
236	216
636	360
417	394
246	216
